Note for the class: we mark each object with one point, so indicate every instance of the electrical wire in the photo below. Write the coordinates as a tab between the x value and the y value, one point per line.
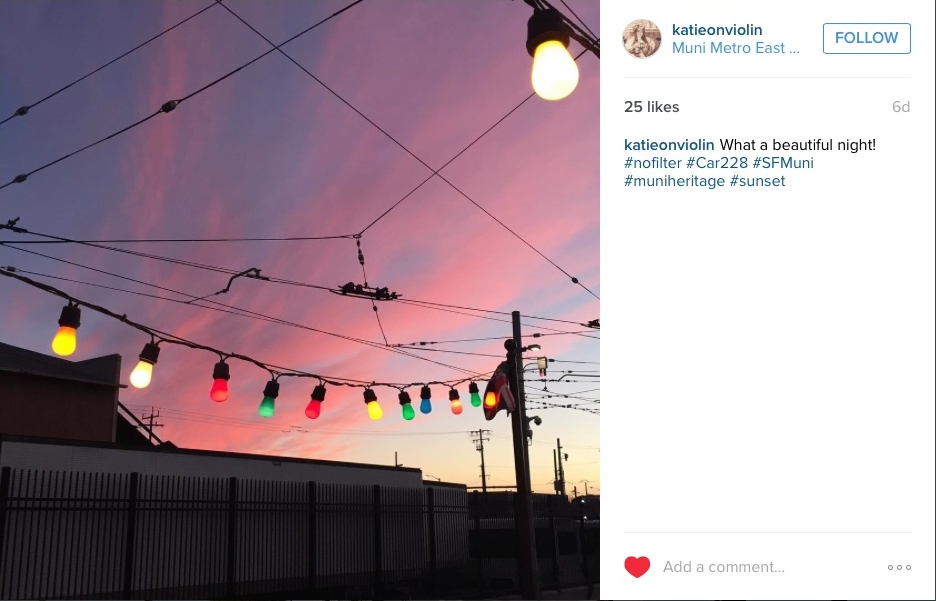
585	25
20	112
163	240
275	371
10	225
234	310
172	104
435	172
536	335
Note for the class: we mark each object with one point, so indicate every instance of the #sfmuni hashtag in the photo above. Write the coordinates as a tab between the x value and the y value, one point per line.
630	179
734	180
757	161
628	162
690	162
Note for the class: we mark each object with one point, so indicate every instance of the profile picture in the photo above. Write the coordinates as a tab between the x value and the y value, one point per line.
641	38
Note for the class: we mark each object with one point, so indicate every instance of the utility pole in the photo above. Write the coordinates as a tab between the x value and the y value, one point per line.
562	480
152	416
555	473
396	461
479	446
527	558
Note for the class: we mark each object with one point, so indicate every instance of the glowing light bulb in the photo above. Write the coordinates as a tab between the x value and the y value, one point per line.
267	407
221	375
475	397
142	374
405	402
490	399
373	408
219	390
314	408
456	401
66	339
555	73
268	404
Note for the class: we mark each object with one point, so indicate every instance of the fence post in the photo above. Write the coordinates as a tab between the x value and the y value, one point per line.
231	536
5	476
130	543
313	537
430	511
555	544
479	539
583	541
378	548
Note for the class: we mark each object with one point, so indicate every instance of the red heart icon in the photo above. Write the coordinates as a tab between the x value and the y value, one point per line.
637	566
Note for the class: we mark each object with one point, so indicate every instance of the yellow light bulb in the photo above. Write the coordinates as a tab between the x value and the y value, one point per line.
374	411
555	73
65	341
490	399
142	374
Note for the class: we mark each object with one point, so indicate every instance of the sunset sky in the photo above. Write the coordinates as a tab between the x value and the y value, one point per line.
270	152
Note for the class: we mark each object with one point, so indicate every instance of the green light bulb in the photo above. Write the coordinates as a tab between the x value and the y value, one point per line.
408	412
475	399
267	406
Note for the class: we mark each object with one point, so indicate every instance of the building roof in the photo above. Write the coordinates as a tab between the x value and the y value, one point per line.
100	370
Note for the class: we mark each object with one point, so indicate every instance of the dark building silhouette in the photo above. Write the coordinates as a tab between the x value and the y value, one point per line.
49	397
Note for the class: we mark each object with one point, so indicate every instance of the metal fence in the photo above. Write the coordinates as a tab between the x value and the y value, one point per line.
131	536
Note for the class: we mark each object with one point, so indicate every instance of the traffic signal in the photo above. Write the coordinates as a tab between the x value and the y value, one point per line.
497	395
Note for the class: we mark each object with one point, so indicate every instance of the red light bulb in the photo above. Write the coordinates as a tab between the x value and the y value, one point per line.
221	375
313	409
219	390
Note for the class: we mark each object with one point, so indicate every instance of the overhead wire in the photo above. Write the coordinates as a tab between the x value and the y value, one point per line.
435	172
10	225
233	309
23	110
169	338
172	104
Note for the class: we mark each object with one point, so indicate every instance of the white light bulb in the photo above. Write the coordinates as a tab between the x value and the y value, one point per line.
555	73
142	374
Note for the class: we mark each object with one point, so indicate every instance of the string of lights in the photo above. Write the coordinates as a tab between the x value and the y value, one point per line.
65	343
238	311
171	105
222	307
